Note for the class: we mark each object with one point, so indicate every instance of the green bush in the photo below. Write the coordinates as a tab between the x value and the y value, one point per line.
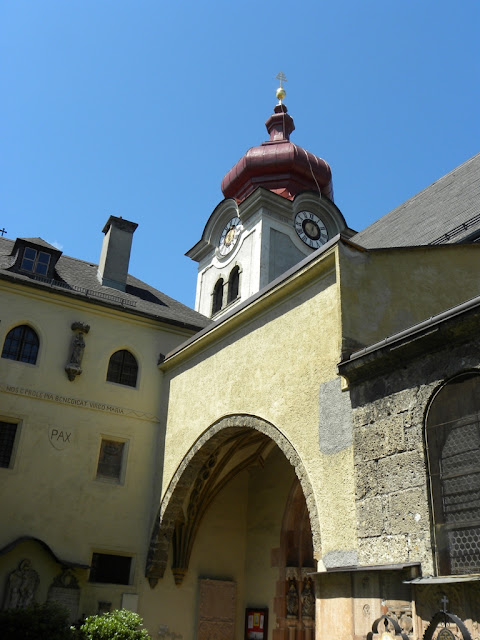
117	625
48	621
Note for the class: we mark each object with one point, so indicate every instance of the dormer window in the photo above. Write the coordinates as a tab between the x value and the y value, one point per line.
35	257
35	261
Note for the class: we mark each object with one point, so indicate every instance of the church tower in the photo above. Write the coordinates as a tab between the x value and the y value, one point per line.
278	208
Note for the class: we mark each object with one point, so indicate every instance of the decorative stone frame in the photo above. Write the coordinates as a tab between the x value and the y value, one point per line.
185	474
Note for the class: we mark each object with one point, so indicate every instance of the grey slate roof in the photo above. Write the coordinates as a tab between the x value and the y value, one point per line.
79	279
40	242
448	211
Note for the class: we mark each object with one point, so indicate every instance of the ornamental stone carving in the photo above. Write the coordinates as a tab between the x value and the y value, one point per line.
73	367
292	599
308	599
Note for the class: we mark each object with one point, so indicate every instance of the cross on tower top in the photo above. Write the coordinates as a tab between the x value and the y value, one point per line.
3	231
281	93
282	77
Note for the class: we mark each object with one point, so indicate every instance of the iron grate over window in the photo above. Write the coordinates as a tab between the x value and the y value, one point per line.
8	431
453	447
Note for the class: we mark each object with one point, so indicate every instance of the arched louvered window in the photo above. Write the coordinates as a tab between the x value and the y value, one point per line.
123	368
21	344
217	301
453	449
233	284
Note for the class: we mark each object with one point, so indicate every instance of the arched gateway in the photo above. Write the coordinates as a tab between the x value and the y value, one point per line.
228	447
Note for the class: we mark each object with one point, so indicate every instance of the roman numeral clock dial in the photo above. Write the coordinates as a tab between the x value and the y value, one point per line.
310	229
229	236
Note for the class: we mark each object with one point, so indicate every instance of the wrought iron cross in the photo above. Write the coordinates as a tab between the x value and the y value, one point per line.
3	231
282	77
444	601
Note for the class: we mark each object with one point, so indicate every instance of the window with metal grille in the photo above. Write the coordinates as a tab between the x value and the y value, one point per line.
110	460
109	568
8	431
123	368
35	261
453	449
21	344
217	301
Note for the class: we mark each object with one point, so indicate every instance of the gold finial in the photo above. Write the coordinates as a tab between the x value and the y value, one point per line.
280	92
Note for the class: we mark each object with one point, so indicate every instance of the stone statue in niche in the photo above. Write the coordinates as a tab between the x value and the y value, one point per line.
73	368
308	599
292	599
21	586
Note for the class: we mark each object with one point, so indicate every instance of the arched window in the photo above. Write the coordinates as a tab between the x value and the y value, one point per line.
453	450
21	344
123	368
233	284
217	301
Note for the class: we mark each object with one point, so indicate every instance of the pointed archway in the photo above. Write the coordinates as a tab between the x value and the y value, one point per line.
230	445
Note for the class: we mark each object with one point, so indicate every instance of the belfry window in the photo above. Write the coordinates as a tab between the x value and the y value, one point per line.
21	344
123	368
453	450
233	284
217	301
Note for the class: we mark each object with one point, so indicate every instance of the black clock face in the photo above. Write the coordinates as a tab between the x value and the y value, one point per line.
229	236
310	229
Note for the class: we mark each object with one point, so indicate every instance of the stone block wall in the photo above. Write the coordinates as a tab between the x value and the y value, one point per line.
391	475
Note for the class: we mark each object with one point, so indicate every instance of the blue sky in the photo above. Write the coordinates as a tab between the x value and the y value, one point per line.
138	108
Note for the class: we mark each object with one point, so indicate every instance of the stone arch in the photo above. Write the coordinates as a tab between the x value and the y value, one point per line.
198	458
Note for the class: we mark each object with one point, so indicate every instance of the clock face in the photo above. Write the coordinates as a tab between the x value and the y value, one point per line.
229	236
310	229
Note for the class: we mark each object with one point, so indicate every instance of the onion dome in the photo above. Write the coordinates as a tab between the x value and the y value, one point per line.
278	165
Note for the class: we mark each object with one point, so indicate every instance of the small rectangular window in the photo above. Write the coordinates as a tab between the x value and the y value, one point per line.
29	256
110	460
109	568
8	432
42	263
35	261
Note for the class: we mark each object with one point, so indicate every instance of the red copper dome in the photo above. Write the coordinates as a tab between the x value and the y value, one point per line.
278	165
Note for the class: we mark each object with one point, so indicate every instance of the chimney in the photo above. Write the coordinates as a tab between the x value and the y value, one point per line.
115	256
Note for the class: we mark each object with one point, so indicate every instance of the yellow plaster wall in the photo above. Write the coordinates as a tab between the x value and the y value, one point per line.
271	367
234	542
386	291
51	493
218	553
269	488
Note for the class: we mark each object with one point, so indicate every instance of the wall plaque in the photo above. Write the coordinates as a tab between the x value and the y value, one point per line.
216	610
65	590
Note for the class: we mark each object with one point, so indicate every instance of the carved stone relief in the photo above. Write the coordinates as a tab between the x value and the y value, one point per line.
21	586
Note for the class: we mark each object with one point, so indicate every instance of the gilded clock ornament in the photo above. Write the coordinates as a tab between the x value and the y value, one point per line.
229	236
310	229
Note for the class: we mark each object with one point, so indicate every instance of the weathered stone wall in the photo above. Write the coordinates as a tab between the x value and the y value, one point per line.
392	501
